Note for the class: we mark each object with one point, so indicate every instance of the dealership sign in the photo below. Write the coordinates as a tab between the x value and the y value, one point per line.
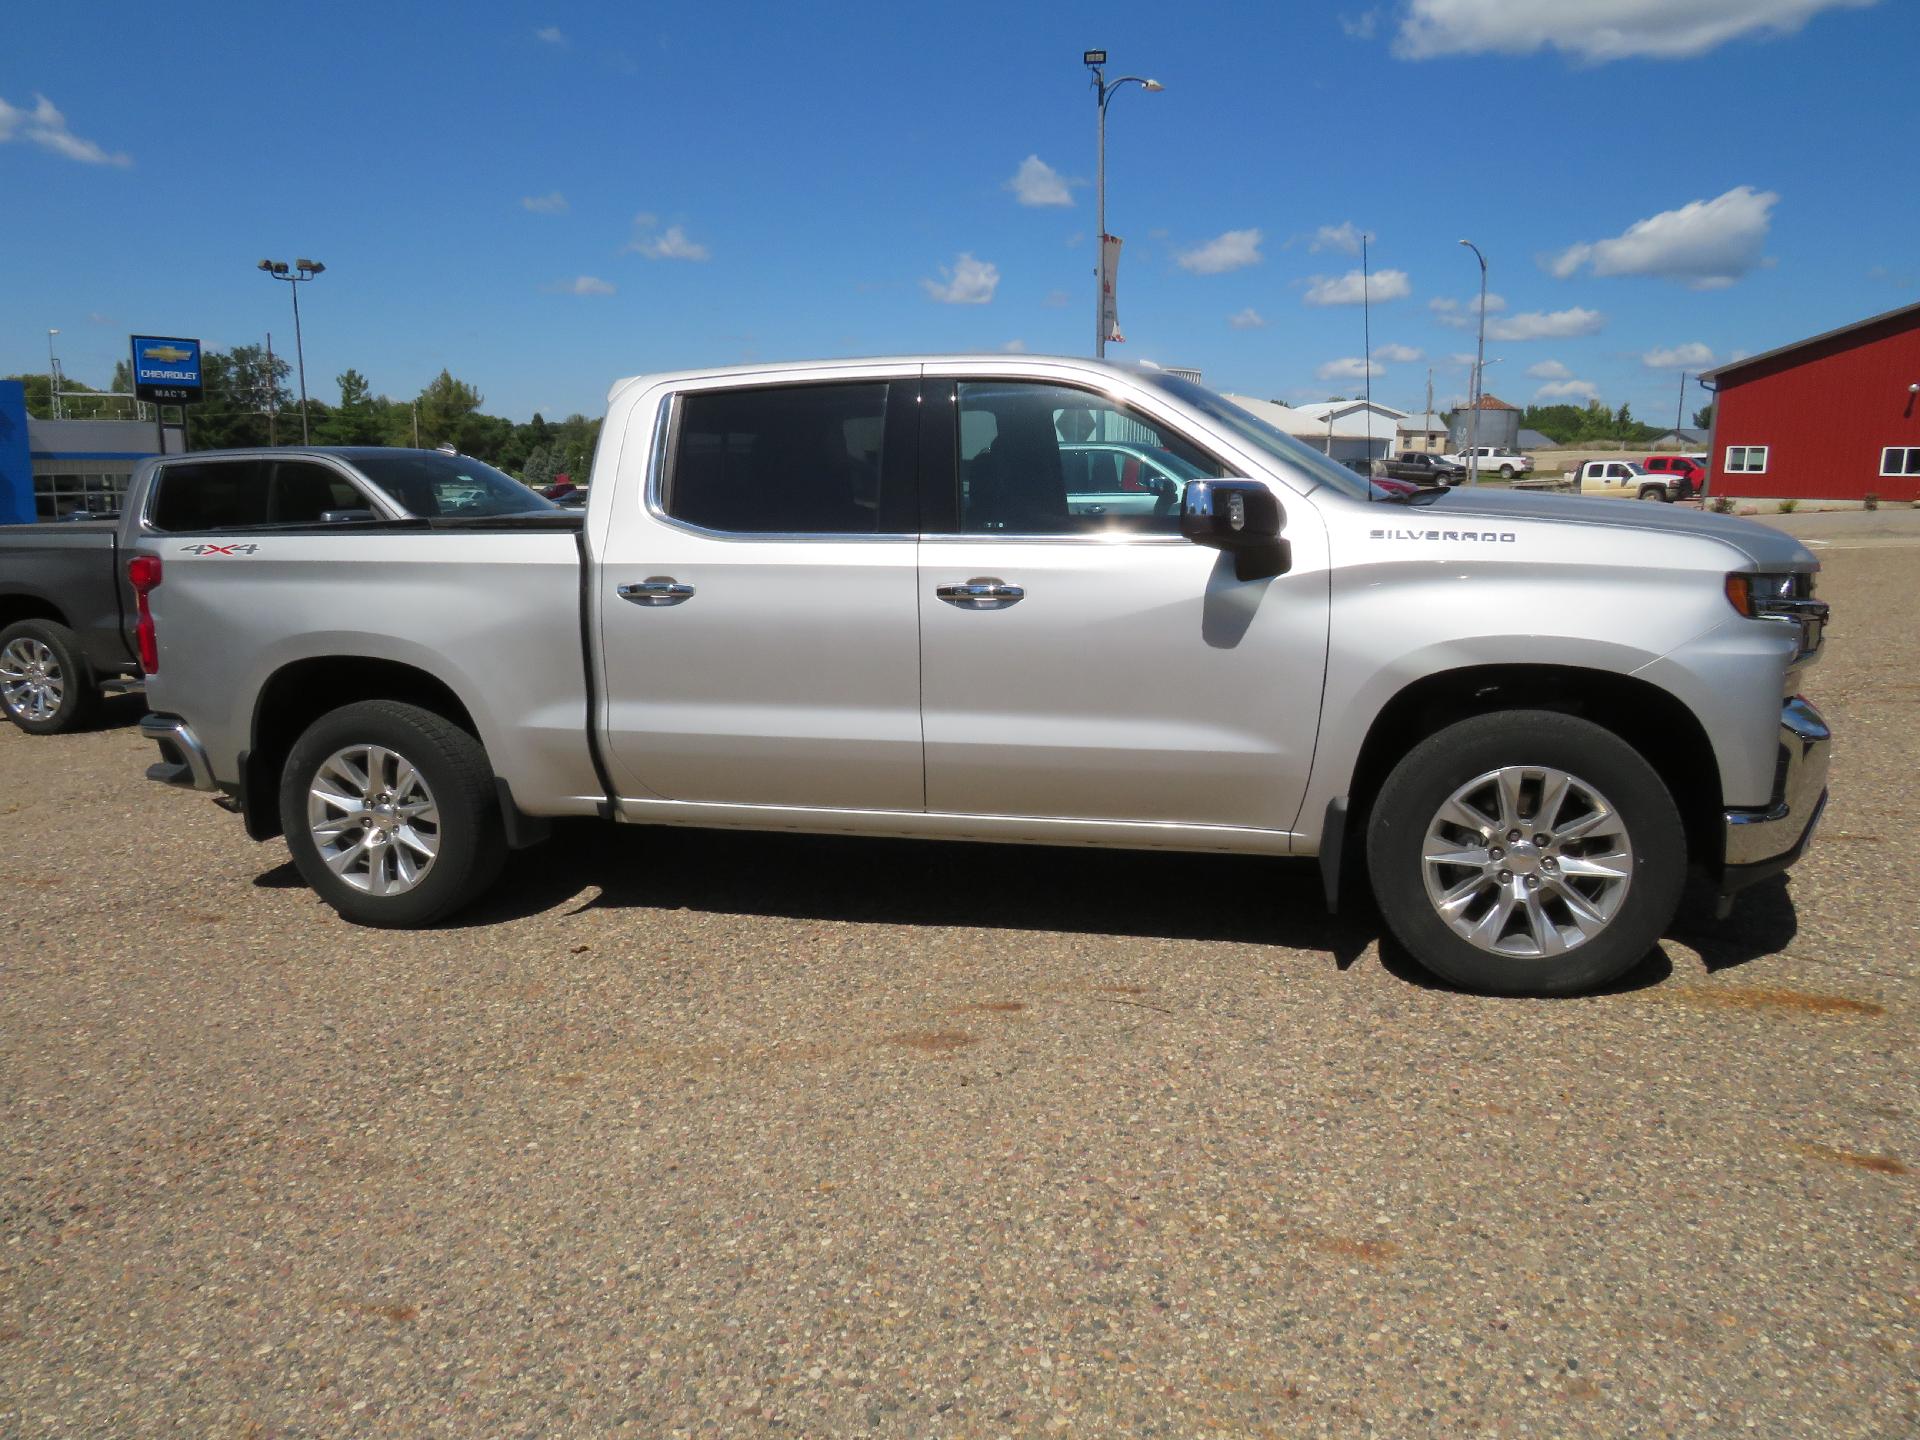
166	370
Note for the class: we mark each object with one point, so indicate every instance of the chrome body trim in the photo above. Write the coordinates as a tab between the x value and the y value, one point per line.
171	731
1755	836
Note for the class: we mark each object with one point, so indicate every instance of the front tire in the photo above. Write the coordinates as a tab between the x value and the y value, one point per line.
390	813
46	685
1654	492
1526	853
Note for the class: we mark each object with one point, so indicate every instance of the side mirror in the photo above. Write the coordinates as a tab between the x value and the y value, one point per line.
1239	516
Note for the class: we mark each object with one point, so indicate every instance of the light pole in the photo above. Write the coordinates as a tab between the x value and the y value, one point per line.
1479	365
1097	59
299	271
53	379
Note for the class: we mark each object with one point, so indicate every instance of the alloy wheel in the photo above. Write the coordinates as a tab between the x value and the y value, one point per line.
1527	861
373	819
32	684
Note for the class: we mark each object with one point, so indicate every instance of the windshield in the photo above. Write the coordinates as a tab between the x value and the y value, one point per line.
429	484
1257	434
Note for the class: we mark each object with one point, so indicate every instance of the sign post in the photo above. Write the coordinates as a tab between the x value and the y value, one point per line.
166	371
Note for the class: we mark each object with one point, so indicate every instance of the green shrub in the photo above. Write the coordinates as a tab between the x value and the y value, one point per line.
1722	505
1787	507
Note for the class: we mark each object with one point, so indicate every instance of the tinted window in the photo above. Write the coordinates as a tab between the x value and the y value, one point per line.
303	491
1027	463
428	483
780	459
211	495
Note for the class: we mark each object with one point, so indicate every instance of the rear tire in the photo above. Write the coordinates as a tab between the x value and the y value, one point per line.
46	685
1506	472
1579	911
390	813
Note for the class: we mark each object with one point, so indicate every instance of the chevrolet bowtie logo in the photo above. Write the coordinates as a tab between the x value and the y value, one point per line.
167	354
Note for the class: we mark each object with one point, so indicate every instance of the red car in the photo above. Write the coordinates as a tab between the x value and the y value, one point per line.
1690	468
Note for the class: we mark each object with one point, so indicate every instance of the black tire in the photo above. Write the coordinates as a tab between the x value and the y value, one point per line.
1506	472
1655	492
468	830
79	690
1441	764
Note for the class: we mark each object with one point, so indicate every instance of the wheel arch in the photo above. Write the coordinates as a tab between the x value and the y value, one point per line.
1654	721
300	692
18	605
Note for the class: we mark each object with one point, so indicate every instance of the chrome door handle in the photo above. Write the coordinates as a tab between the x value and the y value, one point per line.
656	590
983	592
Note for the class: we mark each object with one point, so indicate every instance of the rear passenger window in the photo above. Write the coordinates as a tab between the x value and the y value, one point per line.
211	495
303	492
780	459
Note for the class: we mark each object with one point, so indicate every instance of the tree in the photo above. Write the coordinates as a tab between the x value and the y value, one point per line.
354	421
1703	417
539	468
447	410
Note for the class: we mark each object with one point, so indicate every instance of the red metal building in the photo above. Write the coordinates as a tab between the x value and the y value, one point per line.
1836	417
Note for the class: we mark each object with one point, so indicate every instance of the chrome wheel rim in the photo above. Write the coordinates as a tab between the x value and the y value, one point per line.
31	681
373	819
1527	862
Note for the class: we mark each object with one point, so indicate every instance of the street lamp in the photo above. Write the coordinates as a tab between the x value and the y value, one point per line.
300	270
1096	60
53	379
1479	366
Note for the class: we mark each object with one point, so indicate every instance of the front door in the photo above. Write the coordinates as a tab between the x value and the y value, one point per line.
1096	666
759	626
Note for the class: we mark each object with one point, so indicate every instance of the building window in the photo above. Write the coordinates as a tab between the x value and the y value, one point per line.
57	497
1900	460
1746	459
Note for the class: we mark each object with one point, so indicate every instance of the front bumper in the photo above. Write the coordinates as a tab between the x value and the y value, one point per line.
183	759
1763	842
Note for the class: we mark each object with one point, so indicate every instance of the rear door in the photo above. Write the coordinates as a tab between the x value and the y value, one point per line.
759	616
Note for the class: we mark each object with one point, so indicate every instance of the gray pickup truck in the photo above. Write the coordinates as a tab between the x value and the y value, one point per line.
866	597
66	622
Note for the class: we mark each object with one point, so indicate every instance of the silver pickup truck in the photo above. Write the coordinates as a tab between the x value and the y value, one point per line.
871	598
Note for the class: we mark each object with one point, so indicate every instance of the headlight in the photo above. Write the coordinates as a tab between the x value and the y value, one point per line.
1759	596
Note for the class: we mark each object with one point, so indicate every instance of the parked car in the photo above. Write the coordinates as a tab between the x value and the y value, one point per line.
1690	470
856	597
1425	468
1628	477
1495	460
66	622
1105	477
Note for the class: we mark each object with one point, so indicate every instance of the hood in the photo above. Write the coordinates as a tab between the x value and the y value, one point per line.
1767	548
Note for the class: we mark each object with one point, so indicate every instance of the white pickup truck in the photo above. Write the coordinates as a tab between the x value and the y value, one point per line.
1628	478
1493	460
864	598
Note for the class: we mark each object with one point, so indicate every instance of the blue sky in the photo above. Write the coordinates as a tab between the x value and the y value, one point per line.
542	198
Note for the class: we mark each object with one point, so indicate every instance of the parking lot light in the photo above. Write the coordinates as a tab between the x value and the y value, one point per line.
301	269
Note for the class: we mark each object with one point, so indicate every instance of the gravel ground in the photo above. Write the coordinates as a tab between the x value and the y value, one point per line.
704	1134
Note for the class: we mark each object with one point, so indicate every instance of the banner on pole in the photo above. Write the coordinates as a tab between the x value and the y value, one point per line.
1110	269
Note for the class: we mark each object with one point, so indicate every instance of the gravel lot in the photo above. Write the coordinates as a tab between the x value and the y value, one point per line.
701	1134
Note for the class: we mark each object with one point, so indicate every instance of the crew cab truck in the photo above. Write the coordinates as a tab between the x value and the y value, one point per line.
860	598
1631	479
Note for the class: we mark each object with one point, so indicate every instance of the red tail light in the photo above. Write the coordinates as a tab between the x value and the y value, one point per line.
143	573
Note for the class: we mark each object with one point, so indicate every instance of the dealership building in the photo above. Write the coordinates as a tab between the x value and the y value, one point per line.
1834	417
53	469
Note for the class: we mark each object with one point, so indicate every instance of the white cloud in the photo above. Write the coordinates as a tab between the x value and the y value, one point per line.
46	127
1464	315
969	282
1038	183
1346	289
1344	237
1351	368
1568	390
1597	30
1362	26
1397	354
551	35
1015	347
1709	244
1546	325
1247	319
1057	300
550	204
1690	356
583	285
669	244
1461	357
1232	251
1549	370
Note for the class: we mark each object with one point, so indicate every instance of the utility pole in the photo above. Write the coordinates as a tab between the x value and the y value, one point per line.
1426	416
53	379
1096	61
1680	410
1479	373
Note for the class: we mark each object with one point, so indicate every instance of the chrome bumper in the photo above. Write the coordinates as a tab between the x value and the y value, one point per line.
183	759
1772	838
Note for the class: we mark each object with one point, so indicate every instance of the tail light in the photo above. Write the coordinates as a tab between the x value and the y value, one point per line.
143	573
